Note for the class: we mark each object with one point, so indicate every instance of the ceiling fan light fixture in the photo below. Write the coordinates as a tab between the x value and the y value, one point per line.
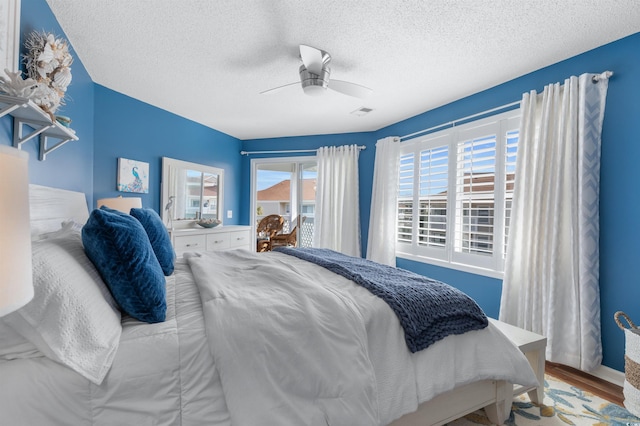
314	84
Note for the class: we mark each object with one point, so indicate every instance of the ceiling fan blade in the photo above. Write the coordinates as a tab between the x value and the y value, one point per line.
277	89
350	89
311	58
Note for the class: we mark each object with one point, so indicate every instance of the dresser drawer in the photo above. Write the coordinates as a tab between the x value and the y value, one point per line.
239	239
185	243
218	241
220	238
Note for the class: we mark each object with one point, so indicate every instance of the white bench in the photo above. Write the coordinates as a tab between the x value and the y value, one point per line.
533	346
494	396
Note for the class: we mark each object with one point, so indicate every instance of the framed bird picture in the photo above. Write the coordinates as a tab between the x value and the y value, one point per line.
133	176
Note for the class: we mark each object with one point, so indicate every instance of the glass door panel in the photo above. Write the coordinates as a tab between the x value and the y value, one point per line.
286	187
307	204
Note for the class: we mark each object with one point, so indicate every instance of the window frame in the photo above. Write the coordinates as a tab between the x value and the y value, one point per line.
500	125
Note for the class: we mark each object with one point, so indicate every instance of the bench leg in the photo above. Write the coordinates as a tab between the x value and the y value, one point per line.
537	360
499	412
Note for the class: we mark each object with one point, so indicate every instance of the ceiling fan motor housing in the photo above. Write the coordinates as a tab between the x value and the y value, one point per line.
314	84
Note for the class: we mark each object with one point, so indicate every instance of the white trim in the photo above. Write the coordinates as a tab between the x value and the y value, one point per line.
10	22
452	265
254	169
609	374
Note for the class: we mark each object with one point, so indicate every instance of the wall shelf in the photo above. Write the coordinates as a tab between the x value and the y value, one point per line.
25	112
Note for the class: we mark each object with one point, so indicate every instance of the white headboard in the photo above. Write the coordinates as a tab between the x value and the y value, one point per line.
49	207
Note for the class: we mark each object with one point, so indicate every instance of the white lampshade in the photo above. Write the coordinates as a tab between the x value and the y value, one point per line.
123	204
16	282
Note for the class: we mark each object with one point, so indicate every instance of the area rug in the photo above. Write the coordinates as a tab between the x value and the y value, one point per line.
563	405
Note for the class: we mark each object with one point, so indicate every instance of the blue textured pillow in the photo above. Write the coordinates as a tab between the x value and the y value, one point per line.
118	246
158	236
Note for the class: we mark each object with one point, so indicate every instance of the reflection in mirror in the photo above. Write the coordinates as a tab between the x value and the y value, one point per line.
190	191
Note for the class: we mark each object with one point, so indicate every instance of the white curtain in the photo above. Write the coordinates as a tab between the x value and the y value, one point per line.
337	214
552	267
381	245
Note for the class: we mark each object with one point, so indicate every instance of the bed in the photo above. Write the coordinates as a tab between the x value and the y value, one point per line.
246	339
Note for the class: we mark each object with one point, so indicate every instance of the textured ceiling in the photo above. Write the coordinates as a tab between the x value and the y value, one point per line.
209	60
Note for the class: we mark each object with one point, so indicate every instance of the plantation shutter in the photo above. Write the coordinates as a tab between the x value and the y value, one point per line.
405	198
475	205
434	182
455	191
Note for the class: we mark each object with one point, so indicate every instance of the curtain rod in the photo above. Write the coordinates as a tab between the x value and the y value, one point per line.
361	147
454	122
595	78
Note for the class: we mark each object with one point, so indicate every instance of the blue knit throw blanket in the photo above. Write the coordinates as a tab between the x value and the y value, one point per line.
428	310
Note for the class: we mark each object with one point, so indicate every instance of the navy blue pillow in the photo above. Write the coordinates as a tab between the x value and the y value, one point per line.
158	236
118	246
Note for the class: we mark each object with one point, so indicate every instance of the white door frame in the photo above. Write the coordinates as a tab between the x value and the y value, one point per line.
297	189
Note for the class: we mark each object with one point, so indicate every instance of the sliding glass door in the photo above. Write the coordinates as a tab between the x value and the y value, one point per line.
287	187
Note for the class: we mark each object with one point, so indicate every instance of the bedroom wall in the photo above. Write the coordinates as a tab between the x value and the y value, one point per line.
619	202
71	166
128	128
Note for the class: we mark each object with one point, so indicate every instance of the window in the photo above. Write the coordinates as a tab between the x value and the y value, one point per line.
454	194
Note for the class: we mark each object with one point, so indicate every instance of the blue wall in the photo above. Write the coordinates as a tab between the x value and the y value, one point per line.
125	127
71	166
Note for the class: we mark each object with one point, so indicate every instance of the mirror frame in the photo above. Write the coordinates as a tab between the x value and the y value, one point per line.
167	163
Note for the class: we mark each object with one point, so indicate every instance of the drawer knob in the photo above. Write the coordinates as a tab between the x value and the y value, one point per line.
192	245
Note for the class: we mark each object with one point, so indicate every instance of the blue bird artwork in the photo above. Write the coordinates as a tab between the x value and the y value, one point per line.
133	176
136	185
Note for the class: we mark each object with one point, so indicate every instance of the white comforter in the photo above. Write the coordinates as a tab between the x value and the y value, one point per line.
164	374
297	344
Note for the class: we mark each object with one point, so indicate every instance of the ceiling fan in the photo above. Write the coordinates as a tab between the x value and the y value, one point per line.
314	76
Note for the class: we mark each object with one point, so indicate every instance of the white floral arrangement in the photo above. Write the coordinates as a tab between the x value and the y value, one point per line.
48	64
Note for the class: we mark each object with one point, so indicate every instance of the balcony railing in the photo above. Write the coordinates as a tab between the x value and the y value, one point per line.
306	236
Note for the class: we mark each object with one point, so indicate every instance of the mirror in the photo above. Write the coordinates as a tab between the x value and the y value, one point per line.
190	191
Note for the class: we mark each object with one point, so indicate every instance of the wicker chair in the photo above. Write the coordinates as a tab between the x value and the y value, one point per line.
290	239
269	225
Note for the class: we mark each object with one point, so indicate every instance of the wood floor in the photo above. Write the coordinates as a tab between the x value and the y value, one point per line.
585	381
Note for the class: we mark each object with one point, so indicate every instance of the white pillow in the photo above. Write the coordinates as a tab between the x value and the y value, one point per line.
72	319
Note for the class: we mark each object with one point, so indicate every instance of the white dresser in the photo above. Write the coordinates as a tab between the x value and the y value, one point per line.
219	238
